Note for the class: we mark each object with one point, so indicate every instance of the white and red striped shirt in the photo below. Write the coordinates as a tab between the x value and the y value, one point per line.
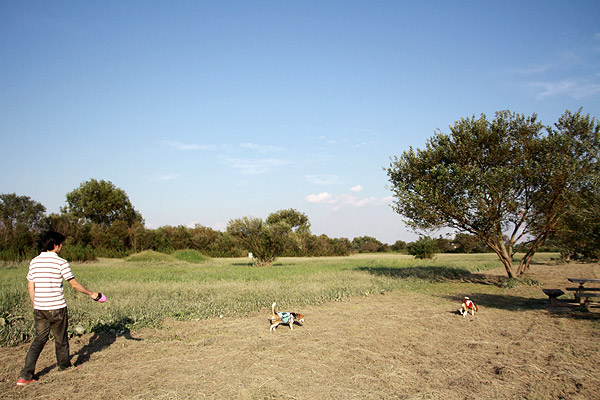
47	272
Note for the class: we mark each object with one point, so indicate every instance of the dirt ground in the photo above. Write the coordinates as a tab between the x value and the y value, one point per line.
392	346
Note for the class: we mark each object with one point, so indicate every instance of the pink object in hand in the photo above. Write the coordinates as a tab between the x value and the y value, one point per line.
102	298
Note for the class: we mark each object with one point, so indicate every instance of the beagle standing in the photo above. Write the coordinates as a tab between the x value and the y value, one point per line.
468	306
285	318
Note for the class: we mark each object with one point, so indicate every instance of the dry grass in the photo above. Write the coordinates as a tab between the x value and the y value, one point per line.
399	345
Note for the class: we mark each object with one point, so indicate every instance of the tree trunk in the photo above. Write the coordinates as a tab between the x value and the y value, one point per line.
507	262
526	260
504	255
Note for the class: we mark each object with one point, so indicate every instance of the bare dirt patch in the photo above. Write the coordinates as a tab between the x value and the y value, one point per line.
397	345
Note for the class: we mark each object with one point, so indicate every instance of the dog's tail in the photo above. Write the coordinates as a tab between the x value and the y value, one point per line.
273	307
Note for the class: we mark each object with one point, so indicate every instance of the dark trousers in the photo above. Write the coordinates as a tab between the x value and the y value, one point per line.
46	320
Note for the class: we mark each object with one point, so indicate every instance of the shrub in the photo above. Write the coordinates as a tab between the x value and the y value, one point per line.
78	252
191	256
424	248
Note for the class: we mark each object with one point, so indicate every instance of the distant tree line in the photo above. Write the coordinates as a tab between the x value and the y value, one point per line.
100	221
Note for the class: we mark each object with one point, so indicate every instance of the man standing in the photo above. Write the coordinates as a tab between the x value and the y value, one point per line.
45	286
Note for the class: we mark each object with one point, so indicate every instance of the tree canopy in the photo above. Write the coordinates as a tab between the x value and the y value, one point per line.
102	203
297	220
20	219
20	210
507	181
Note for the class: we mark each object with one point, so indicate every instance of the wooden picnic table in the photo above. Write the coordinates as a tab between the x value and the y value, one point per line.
581	281
584	293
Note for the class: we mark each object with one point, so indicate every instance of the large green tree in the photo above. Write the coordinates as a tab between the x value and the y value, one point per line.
507	181
101	202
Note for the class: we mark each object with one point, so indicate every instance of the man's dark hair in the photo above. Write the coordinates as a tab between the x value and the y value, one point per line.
51	239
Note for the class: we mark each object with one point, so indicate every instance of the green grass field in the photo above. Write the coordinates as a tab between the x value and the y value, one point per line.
146	288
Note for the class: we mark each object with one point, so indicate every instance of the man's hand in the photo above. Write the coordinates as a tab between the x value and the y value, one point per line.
100	297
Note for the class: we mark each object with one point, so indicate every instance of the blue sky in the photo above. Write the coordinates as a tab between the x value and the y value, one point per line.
207	111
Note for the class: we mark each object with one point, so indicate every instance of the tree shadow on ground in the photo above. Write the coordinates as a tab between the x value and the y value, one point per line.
502	301
433	273
428	273
573	310
104	336
498	301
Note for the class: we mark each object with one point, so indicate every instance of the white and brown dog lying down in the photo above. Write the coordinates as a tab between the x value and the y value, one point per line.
285	318
468	306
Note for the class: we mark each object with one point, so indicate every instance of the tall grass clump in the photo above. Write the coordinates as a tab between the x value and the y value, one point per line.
191	256
16	321
16	312
149	256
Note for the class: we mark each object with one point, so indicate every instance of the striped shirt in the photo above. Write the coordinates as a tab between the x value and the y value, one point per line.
47	272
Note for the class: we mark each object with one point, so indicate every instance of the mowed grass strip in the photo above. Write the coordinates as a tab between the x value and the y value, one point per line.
145	289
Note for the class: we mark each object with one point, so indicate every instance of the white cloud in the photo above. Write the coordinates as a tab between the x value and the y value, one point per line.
337	202
166	177
186	147
194	146
568	87
255	166
532	70
327	140
321	198
324	179
348	200
571	73
259	148
356	188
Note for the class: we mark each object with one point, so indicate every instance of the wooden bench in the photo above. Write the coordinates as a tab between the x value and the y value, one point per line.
553	294
584	298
